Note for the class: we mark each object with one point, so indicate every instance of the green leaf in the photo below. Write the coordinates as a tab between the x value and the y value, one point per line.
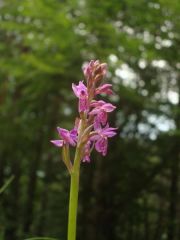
6	184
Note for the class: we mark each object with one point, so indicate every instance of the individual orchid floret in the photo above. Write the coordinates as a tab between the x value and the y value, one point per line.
105	88
80	91
101	138
101	110
68	137
88	69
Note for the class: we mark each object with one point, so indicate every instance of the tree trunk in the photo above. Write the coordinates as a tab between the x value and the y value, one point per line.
12	203
173	198
53	119
44	201
172	228
159	222
146	219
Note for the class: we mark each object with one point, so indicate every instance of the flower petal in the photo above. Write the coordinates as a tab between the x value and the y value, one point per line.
97	103
63	133
105	88
108	107
73	134
75	90
57	143
94	137
102	117
110	134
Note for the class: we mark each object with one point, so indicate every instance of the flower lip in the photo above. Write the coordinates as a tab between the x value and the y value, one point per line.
83	93
101	146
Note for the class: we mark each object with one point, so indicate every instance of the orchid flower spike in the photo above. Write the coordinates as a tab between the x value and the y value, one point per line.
91	129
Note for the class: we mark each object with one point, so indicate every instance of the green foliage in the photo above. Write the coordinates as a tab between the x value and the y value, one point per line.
131	194
41	238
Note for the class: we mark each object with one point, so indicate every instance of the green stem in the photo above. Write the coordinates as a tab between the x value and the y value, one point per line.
73	200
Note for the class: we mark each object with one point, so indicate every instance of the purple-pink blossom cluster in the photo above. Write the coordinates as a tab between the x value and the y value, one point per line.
91	128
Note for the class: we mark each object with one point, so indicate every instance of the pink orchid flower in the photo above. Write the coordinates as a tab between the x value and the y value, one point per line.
68	137
101	138
101	110
88	69
80	91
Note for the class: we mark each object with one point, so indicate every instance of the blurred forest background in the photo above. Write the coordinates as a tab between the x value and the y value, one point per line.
133	193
